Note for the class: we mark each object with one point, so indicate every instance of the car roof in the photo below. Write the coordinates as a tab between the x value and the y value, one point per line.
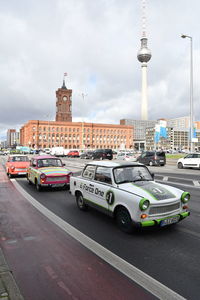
14	155
111	164
44	157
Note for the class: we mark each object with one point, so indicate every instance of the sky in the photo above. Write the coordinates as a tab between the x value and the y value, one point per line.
96	42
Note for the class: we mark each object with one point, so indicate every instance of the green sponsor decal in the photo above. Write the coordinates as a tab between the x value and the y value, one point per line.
155	190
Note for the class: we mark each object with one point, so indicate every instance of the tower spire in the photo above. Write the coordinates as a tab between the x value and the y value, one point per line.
64	86
144	55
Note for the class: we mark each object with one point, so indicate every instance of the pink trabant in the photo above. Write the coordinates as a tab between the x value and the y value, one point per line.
47	170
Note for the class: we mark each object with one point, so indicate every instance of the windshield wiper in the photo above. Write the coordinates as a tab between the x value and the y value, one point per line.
141	179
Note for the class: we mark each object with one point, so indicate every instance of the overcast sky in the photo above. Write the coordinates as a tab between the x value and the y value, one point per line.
96	43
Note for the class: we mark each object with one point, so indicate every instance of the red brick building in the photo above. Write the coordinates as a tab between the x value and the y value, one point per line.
73	135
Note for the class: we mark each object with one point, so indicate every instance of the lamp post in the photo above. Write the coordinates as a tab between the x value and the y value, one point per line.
191	91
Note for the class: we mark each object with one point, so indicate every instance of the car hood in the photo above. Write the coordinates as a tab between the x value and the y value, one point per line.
150	190
54	171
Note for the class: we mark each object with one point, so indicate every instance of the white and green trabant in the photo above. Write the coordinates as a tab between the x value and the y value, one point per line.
47	170
128	192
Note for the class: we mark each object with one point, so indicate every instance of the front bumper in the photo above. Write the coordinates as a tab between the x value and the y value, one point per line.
157	222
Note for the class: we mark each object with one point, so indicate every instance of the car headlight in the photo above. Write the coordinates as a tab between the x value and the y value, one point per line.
144	204
185	197
42	176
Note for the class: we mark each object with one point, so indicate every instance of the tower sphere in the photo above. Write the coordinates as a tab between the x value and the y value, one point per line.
144	54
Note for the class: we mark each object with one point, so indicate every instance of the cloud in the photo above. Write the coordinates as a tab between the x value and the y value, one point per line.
96	43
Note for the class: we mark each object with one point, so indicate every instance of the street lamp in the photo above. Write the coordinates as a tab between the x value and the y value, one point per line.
191	91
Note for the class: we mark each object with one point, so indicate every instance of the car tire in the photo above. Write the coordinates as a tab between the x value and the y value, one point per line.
80	202
180	165
124	221
9	175
100	158
151	163
38	186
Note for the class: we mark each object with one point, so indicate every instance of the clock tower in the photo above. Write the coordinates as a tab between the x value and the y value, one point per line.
64	104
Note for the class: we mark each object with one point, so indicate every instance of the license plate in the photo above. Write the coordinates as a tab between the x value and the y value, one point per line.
57	185
161	160
169	221
22	173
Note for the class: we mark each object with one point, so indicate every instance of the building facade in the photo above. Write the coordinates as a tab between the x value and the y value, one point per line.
177	139
12	138
75	135
139	131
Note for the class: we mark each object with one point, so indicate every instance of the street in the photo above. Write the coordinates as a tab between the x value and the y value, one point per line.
169	255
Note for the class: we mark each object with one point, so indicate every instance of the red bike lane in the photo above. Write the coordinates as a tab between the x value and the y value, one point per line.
49	264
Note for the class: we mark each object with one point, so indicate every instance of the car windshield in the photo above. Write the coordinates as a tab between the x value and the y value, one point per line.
131	174
19	158
49	162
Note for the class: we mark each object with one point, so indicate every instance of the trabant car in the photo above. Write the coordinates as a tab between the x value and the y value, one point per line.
48	171
127	191
17	165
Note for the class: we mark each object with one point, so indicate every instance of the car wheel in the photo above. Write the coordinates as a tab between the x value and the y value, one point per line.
124	221
151	163
100	158
80	202
180	165
9	175
38	186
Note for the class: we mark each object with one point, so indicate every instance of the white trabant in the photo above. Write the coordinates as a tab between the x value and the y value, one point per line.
127	191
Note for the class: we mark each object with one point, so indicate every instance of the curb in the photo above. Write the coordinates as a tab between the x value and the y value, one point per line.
8	287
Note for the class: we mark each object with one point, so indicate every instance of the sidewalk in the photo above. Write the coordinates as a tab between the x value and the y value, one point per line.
8	287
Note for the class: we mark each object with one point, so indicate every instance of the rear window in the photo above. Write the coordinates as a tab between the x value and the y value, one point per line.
160	154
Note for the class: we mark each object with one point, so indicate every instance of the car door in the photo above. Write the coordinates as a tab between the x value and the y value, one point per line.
103	188
195	160
188	160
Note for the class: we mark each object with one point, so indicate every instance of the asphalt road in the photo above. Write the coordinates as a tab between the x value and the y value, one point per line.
169	255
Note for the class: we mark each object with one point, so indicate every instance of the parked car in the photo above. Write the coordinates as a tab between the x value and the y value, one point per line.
152	158
73	153
48	171
102	154
191	160
17	165
86	155
127	156
127	192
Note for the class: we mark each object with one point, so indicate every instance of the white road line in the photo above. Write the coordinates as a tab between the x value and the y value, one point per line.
196	183
147	282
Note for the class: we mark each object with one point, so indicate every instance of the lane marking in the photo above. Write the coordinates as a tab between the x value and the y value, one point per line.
165	178
196	183
145	281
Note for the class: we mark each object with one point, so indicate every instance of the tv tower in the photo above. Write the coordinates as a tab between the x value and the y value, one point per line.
144	55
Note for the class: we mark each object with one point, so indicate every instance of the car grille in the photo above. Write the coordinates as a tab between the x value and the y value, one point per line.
54	179
154	210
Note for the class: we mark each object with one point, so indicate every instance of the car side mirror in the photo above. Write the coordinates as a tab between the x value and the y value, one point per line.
153	175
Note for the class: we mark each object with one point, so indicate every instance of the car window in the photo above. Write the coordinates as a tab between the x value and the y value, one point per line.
131	174
89	172
160	154
189	156
49	162
19	158
103	174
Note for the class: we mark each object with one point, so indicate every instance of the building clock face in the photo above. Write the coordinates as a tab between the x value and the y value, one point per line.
64	98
